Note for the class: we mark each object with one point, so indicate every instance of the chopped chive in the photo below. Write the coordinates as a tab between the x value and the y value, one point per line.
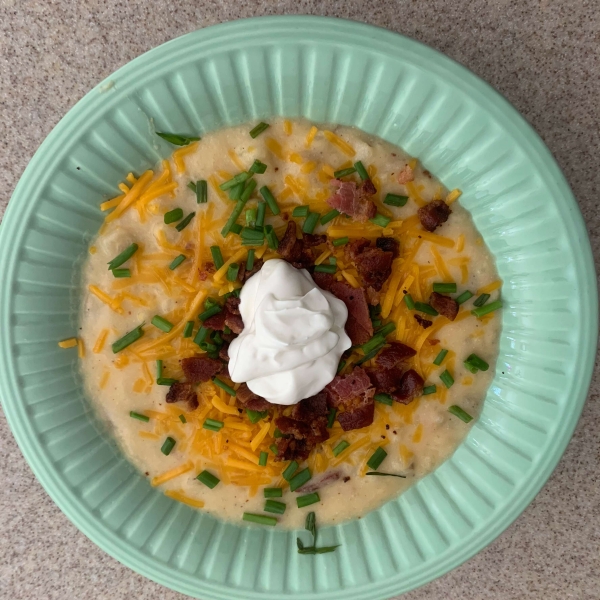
177	261
183	419
272	240
217	257
376	322
341	241
314	550
311	222
161	323
118	260
235	193
341	366
374	310
488	308
439	359
138	416
380	220
380	474
237	211
250	186
167	446
447	379
208	479
273	492
444	288
201	192
332	214
209	312
256	415
260	519
386	329
277	433
289	471
474	361
133	336
344	172
325	269
372	354
430	389
212	425
201	335
340	447
260	214
192	186
173	215
274	506
464	297
307	500
426	308
176	139
378	339
262	460
239	178
481	300
273	449
159	369
301	211
224	386
121	273
384	399
395	200
410	303
376	458
470	367
166	381
265	192
232	272
300	479
250	260
252	234
457	411
258	167
181	226
251	217
256	131
310	524
362	172
331	418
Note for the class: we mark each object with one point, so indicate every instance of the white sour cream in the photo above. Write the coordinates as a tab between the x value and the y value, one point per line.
293	335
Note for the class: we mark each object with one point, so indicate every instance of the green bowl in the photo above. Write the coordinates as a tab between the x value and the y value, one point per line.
325	70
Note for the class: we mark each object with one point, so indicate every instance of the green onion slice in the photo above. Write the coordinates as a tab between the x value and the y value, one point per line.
118	260
376	458
256	131
162	323
395	200
289	471
340	447
300	479
464	297
481	300
307	500
476	362
426	308
384	399
173	215
201	192
332	214
121	273
260	214
430	389
362	172
239	178
447	379
262	461
444	288
331	418
488	308
344	172
133	336
380	220
258	167
217	257
138	416
177	261
439	359
457	411
183	419
208	479
167	446
232	272
224	386
311	222
341	241
301	211
325	269
181	226
260	519
274	506
408	300
177	139
273	492
265	192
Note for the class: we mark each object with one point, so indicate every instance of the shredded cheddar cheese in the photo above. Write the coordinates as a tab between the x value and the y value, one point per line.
70	343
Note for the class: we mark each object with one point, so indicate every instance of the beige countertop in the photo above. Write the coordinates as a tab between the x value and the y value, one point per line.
543	55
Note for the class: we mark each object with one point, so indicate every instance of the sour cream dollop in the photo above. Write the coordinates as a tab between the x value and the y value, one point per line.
293	335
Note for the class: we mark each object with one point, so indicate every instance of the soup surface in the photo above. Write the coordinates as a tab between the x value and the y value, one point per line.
172	274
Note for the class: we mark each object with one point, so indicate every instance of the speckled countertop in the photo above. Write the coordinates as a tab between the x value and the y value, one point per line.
543	55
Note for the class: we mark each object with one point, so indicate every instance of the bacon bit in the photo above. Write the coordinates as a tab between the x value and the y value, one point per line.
406	175
295	251
385	380
246	398
424	323
324	280
411	387
345	388
373	264
444	305
358	325
432	215
388	244
208	268
183	392
216	322
353	200
359	416
394	354
200	368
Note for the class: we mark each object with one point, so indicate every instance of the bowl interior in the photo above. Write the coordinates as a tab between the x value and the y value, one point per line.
328	71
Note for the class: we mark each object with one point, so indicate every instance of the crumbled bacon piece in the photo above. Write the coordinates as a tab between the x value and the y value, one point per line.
388	244
444	305
311	408
228	317
353	200
224	352
385	380
183	392
393	354
246	398
424	323
232	305
373	264
293	427
359	416
432	215
234	322
200	368
406	175
244	275
294	250
324	280
216	322
207	269
345	388
358	325
292	449
311	239
411	387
